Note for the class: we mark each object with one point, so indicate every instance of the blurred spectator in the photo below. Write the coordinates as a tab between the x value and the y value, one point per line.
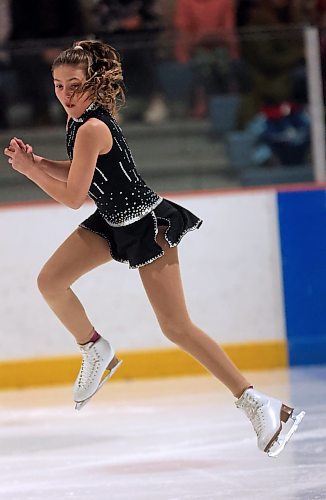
160	105
205	31
243	12
205	24
311	11
5	80
274	111
274	55
5	21
37	20
282	134
305	12
127	17
132	27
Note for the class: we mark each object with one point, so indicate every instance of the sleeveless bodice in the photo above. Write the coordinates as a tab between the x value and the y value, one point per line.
121	195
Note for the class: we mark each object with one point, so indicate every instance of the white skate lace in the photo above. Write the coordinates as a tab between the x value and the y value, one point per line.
253	410
89	368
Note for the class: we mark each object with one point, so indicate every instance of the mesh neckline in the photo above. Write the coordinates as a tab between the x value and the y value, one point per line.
89	108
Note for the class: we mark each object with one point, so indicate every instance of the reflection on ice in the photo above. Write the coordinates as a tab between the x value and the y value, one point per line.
171	439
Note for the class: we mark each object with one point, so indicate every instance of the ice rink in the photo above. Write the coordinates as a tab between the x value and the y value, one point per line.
171	439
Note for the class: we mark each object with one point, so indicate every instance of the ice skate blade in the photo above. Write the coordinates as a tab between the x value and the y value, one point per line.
80	404
279	445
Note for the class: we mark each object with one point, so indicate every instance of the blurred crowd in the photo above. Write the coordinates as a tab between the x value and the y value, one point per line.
178	55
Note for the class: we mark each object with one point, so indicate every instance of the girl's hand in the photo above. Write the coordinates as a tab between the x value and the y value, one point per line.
25	147
20	156
28	149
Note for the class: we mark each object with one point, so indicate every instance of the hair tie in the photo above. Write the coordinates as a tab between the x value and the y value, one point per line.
78	47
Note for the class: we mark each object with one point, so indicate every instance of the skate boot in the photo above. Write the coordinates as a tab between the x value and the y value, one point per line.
98	357
273	421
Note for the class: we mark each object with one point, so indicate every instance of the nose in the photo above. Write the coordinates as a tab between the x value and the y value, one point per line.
68	92
67	100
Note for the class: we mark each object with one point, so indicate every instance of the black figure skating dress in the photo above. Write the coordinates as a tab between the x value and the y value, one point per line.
128	212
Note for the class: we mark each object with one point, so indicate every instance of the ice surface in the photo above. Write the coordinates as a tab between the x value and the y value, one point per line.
171	439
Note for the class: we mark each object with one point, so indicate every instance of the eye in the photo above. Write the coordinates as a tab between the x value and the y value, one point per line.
58	85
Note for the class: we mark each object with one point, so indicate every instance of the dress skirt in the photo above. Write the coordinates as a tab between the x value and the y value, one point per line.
135	244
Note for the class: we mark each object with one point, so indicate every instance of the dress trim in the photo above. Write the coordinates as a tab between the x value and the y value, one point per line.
156	224
149	261
192	228
127	222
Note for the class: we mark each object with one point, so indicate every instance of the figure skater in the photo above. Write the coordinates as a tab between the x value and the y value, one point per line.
131	224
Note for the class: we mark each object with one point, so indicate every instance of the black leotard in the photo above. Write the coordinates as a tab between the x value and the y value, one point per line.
120	194
128	213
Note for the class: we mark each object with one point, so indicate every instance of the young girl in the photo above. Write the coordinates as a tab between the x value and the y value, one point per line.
131	224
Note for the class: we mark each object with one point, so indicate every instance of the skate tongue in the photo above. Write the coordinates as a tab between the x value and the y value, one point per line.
244	395
86	347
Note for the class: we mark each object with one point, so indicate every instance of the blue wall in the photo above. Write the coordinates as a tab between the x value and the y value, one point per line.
302	222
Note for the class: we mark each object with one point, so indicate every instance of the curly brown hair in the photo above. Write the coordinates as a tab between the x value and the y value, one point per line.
104	80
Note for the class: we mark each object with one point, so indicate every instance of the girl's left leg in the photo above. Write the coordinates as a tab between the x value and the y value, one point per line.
163	285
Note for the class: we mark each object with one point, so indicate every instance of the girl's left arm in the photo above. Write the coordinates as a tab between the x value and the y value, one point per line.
92	138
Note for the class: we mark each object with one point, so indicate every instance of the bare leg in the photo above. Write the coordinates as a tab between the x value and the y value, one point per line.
162	282
79	254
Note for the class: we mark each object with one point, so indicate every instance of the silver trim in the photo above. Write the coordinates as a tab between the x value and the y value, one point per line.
100	171
117	143
127	222
98	187
91	107
121	166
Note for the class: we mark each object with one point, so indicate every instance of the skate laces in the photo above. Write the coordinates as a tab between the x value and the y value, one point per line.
89	366
253	409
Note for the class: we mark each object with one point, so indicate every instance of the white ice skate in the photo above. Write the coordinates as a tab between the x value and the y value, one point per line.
269	417
98	357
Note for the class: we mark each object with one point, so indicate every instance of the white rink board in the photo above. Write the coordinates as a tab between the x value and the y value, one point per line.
230	267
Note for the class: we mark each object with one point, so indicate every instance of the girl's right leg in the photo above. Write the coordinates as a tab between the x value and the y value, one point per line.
81	252
163	285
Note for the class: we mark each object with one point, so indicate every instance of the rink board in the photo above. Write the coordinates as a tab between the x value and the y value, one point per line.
237	285
302	220
138	364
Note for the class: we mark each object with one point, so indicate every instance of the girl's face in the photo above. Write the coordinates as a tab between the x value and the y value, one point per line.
67	80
